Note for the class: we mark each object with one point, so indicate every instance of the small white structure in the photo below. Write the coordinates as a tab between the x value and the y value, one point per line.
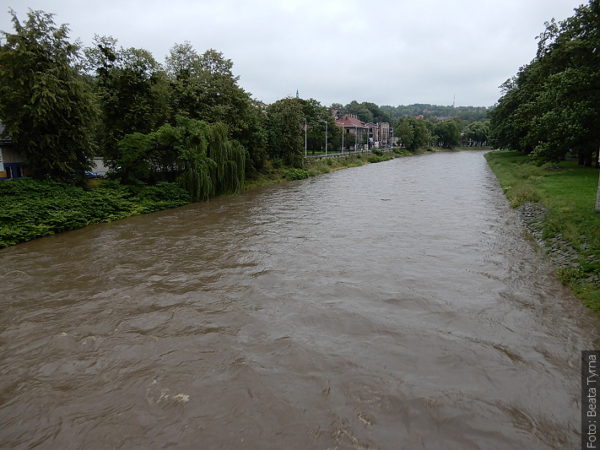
99	167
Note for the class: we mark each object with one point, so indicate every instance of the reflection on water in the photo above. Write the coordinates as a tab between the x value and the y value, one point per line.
395	305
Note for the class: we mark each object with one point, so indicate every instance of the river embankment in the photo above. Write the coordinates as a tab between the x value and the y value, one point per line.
556	205
30	209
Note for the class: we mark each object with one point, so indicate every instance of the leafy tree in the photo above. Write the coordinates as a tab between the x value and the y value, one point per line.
365	111
316	116
551	106
205	161
448	133
285	121
404	132
413	133
46	106
205	88
476	133
133	90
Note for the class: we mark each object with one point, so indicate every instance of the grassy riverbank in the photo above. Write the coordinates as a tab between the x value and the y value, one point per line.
557	204
316	166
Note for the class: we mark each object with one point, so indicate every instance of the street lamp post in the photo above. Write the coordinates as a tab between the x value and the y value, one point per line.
325	136
305	128
355	138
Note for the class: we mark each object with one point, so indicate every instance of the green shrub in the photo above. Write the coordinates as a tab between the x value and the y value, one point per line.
376	159
277	163
377	152
402	152
296	174
31	209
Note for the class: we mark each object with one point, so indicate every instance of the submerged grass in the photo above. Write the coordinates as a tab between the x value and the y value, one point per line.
568	193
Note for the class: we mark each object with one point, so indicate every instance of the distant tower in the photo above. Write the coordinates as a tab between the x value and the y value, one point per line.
453	100
297	96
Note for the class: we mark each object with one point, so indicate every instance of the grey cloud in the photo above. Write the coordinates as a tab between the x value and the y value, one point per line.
389	52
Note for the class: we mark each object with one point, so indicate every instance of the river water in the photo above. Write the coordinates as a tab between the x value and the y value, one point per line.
391	306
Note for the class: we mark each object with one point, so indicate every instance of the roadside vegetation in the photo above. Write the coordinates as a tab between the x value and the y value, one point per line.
556	201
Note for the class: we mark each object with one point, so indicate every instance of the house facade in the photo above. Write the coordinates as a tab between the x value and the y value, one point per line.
379	134
376	134
352	125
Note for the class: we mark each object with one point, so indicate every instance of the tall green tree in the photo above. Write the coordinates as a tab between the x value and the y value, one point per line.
552	106
47	108
205	88
133	90
320	123
477	133
447	133
413	133
285	122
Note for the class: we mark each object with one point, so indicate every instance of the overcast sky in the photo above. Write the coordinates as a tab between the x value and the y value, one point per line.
387	52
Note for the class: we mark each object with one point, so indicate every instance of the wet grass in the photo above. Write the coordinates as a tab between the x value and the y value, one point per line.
568	192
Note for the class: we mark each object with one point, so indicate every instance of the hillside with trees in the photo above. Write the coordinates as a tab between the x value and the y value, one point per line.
465	113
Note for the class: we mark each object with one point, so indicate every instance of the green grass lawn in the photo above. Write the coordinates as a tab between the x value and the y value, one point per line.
568	191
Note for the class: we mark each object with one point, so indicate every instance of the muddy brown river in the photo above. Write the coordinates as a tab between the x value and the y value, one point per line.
391	306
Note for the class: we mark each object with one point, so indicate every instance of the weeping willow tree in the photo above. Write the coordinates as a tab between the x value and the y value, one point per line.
207	161
230	159
210	162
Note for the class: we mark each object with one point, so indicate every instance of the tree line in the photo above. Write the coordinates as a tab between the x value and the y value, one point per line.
186	120
465	113
414	133
551	107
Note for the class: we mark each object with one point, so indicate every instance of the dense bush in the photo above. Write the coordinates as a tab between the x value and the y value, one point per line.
31	209
376	159
296	174
377	152
402	152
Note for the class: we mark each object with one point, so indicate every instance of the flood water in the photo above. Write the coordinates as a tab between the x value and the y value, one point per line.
391	306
